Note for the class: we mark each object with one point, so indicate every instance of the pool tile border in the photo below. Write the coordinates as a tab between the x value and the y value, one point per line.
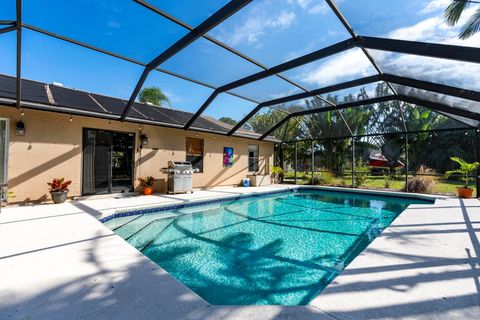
200	202
192	203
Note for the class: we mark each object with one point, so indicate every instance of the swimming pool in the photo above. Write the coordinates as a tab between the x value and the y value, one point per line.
277	249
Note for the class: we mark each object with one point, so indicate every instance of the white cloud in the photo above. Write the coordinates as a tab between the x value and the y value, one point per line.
284	94
435	5
304	3
283	20
113	24
454	73
426	29
321	8
348	65
256	25
352	65
436	30
311	6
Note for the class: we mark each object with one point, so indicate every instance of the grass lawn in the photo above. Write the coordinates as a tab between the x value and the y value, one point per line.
446	187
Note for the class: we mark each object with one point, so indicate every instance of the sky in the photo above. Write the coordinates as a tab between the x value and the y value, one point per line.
269	31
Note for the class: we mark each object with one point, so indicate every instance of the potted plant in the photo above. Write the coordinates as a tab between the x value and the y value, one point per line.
277	174
59	189
466	169
147	184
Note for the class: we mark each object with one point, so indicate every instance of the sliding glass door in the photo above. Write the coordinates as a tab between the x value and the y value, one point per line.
107	161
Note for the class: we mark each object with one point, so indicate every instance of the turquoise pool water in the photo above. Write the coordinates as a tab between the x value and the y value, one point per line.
280	249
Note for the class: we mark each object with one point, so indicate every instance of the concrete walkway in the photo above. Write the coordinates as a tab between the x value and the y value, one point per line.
59	262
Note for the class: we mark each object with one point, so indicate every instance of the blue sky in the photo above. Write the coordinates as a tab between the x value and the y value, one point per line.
270	31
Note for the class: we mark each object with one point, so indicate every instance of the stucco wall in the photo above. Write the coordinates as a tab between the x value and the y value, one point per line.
52	147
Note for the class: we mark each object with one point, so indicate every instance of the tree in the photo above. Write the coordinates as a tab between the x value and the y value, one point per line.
228	120
453	13
262	122
153	95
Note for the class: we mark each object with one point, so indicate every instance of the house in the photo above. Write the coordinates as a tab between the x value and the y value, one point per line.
62	132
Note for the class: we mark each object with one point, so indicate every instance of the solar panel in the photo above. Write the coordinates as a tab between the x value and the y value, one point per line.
75	99
112	105
32	91
203	123
158	113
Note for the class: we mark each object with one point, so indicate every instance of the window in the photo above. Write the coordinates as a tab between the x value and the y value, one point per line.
252	157
3	153
194	150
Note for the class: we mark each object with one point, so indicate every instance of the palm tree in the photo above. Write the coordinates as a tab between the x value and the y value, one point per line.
153	95
454	12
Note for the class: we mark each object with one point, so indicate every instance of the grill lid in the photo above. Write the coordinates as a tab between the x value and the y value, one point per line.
182	166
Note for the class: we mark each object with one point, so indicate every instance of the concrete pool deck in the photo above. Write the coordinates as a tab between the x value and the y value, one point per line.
60	262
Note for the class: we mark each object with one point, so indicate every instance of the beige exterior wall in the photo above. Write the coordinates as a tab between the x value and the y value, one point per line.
52	147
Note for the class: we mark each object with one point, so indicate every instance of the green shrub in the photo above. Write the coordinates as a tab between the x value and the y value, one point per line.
387	180
361	174
466	169
322	178
278	174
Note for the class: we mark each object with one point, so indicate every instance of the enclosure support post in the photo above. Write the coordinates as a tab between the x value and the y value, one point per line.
281	157
313	160
18	87
406	162
353	162
295	165
477	158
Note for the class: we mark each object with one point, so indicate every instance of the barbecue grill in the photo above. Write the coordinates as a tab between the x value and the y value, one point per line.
179	176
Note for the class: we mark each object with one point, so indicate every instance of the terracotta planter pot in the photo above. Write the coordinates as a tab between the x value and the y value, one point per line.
147	191
59	196
464	192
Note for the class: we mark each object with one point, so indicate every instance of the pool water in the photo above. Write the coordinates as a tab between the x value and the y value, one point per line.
280	249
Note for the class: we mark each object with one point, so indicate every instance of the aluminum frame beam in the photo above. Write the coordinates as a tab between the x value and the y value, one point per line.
218	17
304	95
440	107
409	47
347	26
164	14
433	87
432	50
326	109
118	56
18	26
8	29
294	63
381	134
416	101
417	84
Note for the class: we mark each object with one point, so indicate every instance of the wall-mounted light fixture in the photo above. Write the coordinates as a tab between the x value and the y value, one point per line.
144	139
20	129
